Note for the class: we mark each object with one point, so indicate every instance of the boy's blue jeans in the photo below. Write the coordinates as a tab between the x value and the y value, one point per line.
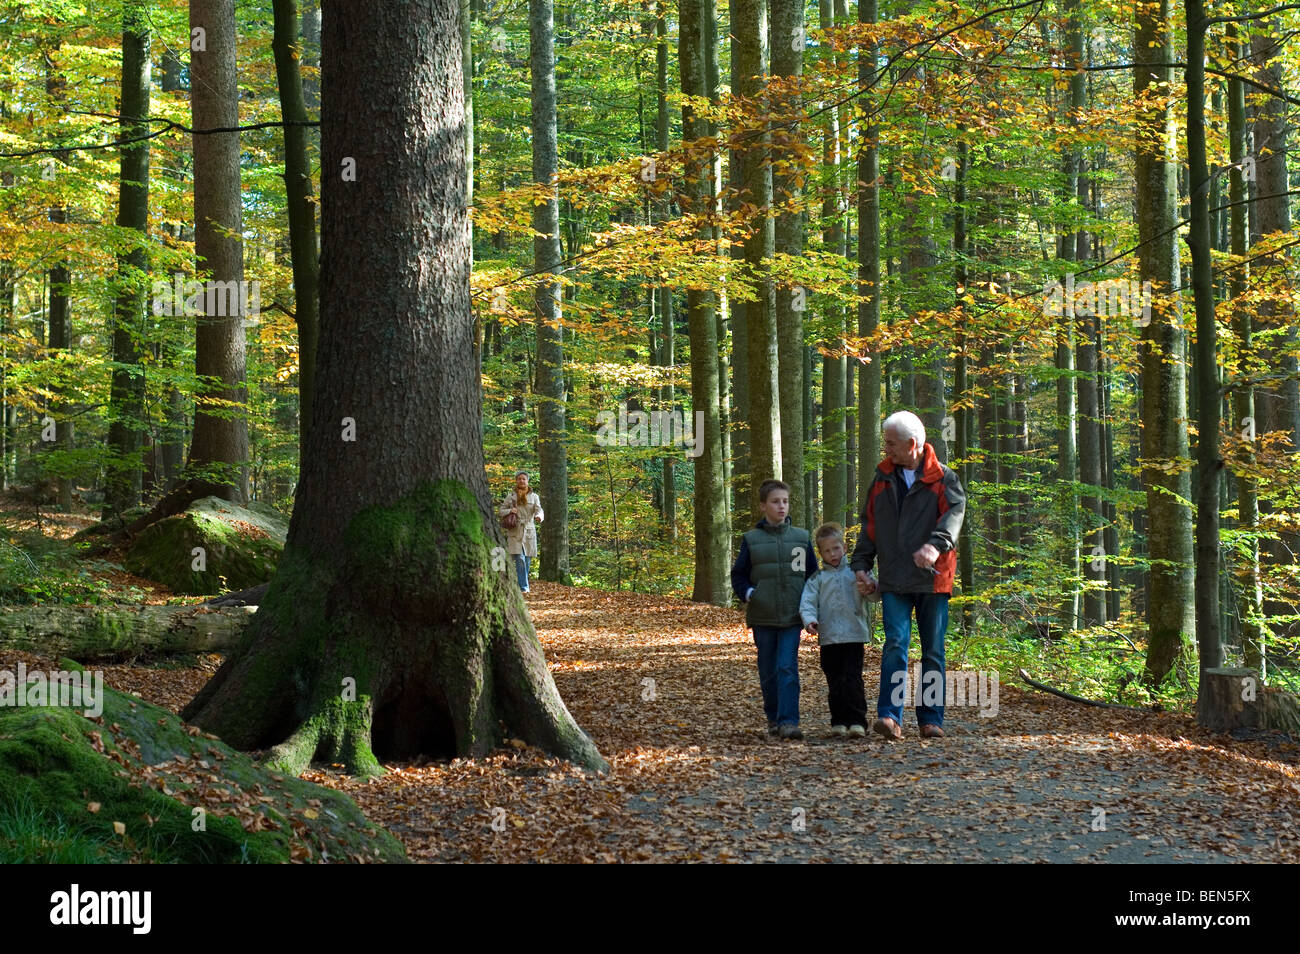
778	672
521	570
931	625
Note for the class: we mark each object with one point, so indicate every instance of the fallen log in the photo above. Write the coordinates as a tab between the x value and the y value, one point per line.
109	632
1042	686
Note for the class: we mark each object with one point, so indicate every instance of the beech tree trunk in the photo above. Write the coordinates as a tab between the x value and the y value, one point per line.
220	439
1277	406
741	491
834	365
1206	363
712	535
869	374
552	452
301	203
60	307
1251	600
393	626
664	294
749	52
787	44
126	397
1169	610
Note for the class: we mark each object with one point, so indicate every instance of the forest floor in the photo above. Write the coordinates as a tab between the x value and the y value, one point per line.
694	776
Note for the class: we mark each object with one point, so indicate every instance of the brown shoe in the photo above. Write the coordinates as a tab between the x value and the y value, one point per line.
930	731
890	729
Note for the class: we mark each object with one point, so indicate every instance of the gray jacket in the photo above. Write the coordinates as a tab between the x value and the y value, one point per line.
832	601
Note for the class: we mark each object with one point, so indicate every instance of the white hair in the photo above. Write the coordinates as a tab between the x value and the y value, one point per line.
907	426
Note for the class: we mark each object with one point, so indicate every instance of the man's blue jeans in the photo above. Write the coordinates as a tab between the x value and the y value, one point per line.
521	570
778	672
931	625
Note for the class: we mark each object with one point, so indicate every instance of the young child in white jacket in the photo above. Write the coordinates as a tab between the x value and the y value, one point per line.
840	617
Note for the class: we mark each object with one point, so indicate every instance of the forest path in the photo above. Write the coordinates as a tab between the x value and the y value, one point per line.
695	777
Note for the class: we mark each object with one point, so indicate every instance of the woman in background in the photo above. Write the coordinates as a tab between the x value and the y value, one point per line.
521	532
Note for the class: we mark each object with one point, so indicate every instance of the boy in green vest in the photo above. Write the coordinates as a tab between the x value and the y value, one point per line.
774	561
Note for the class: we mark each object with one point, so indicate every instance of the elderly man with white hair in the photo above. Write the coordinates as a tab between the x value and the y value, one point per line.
910	521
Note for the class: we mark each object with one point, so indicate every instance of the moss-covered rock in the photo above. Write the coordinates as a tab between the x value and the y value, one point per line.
129	785
241	548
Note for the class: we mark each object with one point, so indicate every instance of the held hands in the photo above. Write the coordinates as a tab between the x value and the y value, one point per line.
925	557
811	627
866	582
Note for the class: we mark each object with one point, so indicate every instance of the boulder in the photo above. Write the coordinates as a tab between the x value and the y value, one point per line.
212	547
133	783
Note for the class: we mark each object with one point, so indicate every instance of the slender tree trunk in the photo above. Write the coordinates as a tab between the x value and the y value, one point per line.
8	413
125	434
173	441
664	295
1208	463
552	451
713	82
60	307
961	384
301	203
737	171
848	173
1251	600
1067	245
392	627
1275	406
712	548
1091	471
749	52
220	440
1170	612
787	44
834	364
987	429
869	374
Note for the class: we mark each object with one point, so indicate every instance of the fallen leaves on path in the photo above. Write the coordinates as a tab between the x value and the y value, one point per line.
669	691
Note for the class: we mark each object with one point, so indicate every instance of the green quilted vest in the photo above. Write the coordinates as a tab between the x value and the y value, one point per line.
776	578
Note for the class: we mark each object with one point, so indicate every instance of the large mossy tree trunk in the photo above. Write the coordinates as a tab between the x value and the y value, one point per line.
393	626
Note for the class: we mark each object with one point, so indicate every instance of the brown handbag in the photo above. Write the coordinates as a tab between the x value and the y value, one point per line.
509	520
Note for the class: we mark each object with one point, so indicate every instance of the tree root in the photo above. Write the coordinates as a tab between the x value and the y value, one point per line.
339	734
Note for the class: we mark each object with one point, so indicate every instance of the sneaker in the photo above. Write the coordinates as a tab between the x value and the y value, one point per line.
772	729
858	731
839	730
789	730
